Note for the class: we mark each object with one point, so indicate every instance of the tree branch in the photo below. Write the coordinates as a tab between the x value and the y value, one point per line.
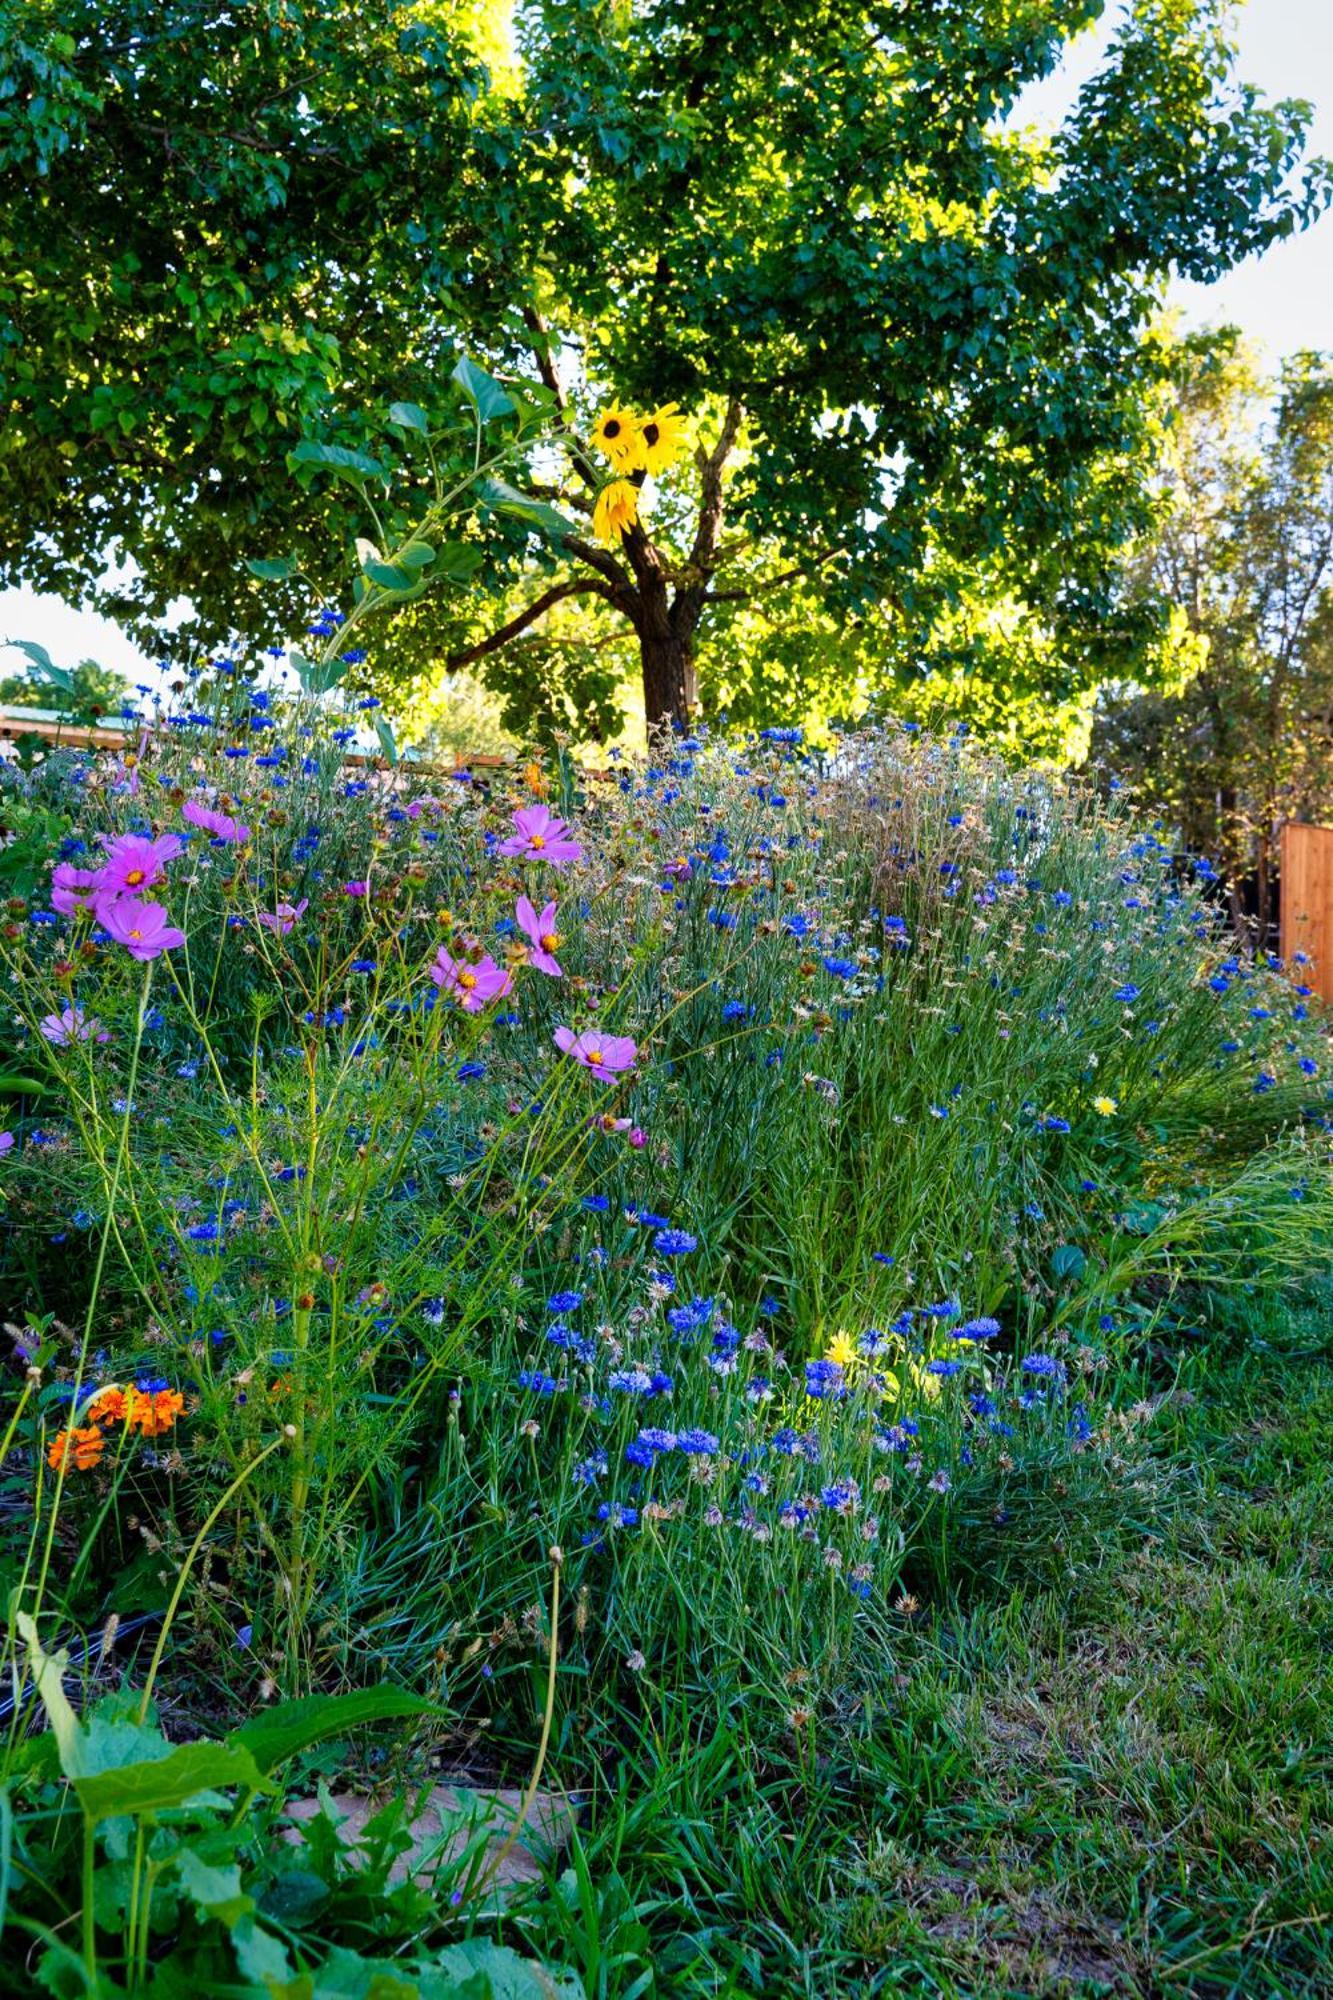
546	368
510	630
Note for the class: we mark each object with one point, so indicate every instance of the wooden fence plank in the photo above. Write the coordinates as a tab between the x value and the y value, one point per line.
1307	902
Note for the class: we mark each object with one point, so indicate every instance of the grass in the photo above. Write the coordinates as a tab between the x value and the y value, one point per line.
1120	1785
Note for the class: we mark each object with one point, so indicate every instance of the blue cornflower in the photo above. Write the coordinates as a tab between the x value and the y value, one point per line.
823	1379
1128	992
674	1242
697	1444
564	1302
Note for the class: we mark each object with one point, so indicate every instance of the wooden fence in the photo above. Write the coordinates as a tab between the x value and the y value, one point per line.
1307	902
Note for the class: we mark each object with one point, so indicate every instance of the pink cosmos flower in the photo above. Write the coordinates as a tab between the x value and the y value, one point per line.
73	888
144	929
541	934
71	1025
6	1142
541	838
218	824
282	919
473	986
133	863
604	1055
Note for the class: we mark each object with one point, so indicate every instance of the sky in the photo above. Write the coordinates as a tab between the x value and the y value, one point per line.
1282	301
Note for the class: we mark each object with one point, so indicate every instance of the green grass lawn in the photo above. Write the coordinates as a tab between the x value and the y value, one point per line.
1116	1785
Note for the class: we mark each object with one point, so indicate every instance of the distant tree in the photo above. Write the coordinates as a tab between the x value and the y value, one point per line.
1244	550
914	337
92	688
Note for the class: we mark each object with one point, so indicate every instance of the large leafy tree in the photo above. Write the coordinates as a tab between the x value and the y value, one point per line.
912	337
1243	549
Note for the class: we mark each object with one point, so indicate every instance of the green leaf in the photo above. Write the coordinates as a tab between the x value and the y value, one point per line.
158	1782
484	393
417	555
273	569
21	1086
384	730
215	1892
460	561
389	576
507	499
293	1726
1068	1261
337	458
47	669
263	1958
47	1672
409	416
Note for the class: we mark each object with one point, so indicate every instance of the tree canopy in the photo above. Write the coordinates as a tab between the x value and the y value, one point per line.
1244	550
913	337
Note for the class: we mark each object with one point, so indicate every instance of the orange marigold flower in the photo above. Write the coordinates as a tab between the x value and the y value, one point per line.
156	1410
85	1445
110	1405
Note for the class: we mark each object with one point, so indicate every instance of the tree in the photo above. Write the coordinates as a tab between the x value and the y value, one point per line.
914	338
1244	550
87	689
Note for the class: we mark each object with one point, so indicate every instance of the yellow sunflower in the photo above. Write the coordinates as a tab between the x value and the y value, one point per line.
617	436
617	509
663	435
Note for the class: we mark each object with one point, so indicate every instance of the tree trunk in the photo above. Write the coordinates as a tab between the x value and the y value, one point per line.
668	676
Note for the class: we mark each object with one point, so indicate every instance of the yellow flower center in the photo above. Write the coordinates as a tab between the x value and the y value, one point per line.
537	841
468	979
594	1055
135	877
549	940
136	934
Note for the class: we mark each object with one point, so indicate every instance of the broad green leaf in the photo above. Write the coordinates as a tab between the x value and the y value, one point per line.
215	1892
45	665
47	1672
384	730
337	458
157	1782
409	416
263	1958
510	1977
389	576
459	561
506	499
416	555
293	1726
484	393
21	1086
1068	1261
272	569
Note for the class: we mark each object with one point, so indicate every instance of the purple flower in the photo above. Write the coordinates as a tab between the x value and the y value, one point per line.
133	863
473	986
542	937
282	919
144	929
604	1055
539	837
73	888
71	1025
218	824
6	1142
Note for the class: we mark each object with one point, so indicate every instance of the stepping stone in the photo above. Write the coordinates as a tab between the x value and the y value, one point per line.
447	1821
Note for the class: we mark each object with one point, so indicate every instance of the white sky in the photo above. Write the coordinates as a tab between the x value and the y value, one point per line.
1283	300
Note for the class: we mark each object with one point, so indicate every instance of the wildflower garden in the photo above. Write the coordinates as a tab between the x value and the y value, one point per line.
690	1370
